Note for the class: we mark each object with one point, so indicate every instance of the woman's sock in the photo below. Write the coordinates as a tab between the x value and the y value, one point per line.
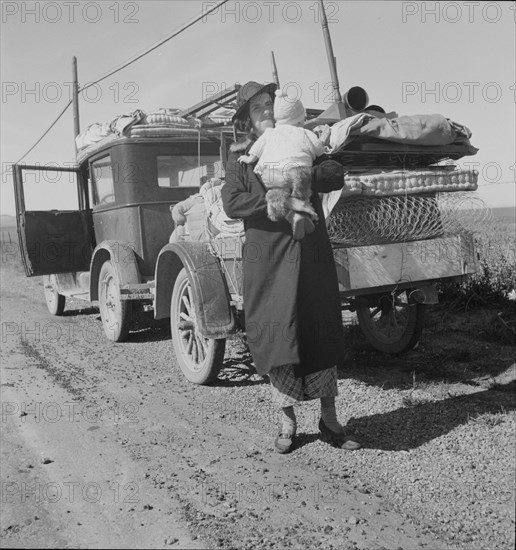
288	421
329	414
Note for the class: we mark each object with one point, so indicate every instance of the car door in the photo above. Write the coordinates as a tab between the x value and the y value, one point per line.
52	241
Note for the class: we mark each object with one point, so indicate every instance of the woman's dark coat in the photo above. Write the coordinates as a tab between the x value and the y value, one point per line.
291	298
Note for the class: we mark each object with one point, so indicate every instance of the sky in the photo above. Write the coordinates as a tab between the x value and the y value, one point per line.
453	58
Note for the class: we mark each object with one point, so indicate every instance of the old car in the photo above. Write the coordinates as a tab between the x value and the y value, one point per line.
114	249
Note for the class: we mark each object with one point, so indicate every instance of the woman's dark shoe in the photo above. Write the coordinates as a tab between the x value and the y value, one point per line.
284	443
344	441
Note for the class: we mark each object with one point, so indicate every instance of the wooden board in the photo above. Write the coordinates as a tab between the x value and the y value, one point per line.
390	264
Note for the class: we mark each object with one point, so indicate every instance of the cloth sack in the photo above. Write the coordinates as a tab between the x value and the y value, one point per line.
93	134
121	124
341	131
416	129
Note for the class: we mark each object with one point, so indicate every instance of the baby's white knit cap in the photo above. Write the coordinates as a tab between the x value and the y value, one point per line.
287	110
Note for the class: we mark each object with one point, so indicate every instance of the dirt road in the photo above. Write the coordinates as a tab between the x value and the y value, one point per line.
107	445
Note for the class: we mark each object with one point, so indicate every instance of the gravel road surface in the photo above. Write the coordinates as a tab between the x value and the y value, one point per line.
107	445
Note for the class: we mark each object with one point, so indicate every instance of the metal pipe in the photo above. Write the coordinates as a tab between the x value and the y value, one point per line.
337	98
75	101
275	76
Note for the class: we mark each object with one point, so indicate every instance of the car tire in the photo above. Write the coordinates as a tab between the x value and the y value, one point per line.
394	325
55	302
199	358
114	312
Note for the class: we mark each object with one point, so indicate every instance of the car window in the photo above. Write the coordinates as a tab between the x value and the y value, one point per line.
103	188
185	170
48	189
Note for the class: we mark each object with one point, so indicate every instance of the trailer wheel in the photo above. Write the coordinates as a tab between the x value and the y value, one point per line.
55	301
199	358
395	324
114	312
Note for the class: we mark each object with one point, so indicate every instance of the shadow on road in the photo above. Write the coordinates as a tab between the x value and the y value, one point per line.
414	425
84	311
239	372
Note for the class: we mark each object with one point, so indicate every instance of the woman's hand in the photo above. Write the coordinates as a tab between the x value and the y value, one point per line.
247	159
323	133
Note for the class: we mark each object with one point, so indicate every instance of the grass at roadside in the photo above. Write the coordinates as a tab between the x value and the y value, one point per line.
493	288
495	281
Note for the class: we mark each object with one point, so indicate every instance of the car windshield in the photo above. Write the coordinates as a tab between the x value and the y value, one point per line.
187	170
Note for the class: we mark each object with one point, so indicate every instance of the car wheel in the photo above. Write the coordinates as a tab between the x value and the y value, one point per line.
55	302
199	358
114	312
395	324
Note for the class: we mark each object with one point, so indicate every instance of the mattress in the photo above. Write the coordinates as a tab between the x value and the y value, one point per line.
409	182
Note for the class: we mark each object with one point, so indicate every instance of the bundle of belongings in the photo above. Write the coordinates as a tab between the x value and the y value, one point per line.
201	216
425	130
139	123
383	199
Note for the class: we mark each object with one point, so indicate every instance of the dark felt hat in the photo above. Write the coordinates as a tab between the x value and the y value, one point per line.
248	91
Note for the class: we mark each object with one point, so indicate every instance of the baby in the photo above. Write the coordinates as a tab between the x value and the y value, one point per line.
285	155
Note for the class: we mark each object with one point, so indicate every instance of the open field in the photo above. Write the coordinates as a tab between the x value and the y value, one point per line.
496	245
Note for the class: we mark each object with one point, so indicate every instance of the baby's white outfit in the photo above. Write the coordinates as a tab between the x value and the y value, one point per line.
281	148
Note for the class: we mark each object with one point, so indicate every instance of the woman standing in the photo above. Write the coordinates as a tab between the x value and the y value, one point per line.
291	298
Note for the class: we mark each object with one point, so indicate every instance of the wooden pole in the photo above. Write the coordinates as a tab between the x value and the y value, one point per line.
275	77
337	98
75	100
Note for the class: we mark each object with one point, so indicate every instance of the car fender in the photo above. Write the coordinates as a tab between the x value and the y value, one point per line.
122	257
211	296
